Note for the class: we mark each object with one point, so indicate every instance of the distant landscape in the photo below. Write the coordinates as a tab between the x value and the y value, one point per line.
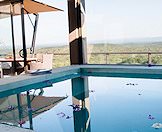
64	60
103	48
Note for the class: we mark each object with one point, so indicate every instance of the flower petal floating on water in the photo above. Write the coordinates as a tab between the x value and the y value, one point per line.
11	107
61	114
157	125
75	107
68	117
151	117
91	91
133	84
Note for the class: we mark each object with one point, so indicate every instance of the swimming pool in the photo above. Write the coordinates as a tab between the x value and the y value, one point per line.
111	104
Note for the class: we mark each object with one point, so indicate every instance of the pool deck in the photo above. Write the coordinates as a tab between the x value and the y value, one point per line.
8	128
21	83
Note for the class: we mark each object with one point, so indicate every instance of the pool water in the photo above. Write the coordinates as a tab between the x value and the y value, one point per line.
115	105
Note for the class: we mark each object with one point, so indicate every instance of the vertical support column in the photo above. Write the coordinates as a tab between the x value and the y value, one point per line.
77	38
80	93
13	41
23	35
78	55
29	111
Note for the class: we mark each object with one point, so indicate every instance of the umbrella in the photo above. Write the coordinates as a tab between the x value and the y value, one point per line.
30	7
10	8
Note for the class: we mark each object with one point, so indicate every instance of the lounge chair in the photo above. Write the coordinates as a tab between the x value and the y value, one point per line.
42	63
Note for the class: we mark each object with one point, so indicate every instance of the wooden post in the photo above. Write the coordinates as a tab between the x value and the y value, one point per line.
149	59
77	38
107	58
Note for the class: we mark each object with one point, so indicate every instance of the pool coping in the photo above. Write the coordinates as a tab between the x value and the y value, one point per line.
21	83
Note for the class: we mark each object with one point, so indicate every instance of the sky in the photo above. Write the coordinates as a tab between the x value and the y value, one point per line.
105	20
124	19
52	27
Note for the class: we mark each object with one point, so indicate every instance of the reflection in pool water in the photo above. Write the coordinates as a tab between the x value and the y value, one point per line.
11	113
110	105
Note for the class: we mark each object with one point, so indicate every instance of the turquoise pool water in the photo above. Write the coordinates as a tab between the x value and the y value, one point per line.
114	105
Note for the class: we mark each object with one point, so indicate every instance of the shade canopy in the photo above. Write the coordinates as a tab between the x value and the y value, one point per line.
30	6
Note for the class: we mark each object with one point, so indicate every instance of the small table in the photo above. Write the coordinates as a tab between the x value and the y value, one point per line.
17	59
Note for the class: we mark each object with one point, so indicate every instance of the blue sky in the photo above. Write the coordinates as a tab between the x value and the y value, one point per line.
105	20
123	19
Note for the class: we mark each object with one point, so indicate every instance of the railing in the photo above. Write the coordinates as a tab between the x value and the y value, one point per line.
107	54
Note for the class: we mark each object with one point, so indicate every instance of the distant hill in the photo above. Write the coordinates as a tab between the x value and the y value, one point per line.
109	47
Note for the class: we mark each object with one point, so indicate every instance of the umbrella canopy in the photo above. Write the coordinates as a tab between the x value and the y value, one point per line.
30	6
10	8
